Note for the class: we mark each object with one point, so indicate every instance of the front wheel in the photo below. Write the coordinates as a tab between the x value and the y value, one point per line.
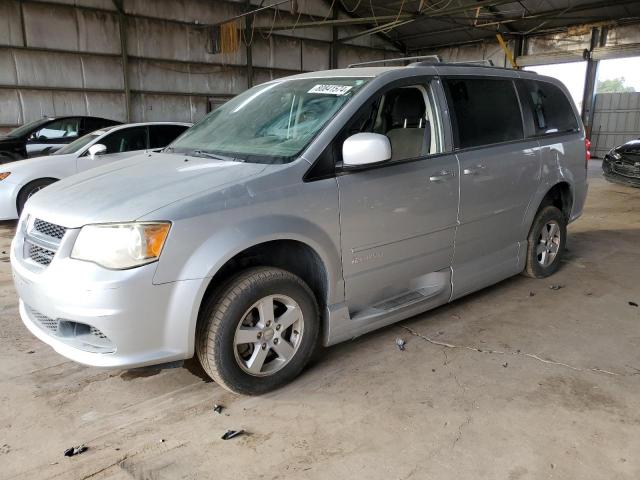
546	243
29	190
259	332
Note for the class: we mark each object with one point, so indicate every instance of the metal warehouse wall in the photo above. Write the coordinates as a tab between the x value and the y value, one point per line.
61	57
616	121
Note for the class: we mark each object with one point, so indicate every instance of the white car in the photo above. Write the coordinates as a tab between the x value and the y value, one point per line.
19	180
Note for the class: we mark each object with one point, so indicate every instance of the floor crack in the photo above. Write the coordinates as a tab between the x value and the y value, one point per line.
516	353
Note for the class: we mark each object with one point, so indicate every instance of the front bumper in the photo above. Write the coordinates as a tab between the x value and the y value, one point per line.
111	318
8	195
619	172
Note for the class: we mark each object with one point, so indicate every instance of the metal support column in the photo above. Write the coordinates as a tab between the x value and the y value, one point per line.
333	61
589	97
248	37
122	24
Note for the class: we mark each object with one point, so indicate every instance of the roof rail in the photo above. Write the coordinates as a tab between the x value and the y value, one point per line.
486	61
433	58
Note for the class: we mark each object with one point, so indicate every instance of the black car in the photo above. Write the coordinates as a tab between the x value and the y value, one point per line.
622	164
46	135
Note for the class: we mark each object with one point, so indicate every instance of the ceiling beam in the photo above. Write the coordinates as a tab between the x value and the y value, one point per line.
542	15
341	22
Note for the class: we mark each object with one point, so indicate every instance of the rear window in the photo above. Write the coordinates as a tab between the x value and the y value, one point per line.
550	107
484	111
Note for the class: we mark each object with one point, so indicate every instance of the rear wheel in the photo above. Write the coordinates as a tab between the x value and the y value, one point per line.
259	331
29	190
546	243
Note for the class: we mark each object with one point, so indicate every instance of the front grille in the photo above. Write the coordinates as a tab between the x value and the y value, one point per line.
79	335
46	323
49	229
40	255
41	241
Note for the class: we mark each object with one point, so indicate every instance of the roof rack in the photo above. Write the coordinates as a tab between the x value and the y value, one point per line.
433	58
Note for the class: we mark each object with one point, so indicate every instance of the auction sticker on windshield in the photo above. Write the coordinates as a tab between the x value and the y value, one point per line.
331	89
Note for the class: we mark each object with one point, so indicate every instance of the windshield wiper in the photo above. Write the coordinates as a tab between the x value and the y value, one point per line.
202	153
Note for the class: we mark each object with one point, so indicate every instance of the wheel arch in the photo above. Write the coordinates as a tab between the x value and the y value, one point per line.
30	182
292	255
559	195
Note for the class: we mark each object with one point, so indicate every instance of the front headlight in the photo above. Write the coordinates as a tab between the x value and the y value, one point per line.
121	245
615	155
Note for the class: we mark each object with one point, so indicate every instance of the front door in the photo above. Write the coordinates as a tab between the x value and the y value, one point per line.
398	220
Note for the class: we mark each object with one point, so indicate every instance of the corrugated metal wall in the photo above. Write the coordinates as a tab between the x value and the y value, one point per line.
616	121
62	57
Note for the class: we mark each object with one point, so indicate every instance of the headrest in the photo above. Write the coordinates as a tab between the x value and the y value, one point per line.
408	104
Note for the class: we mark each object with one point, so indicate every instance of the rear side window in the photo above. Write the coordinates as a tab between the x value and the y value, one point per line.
551	109
162	135
484	111
126	140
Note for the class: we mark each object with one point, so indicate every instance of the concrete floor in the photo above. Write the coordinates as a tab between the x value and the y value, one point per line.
518	381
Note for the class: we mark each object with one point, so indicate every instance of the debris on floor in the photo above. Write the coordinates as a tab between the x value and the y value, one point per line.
556	286
633	304
505	364
72	451
532	294
229	434
400	342
218	408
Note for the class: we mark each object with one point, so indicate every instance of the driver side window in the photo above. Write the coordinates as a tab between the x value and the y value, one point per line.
406	115
63	128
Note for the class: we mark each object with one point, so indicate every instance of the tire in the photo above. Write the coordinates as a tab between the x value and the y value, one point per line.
245	302
29	189
546	241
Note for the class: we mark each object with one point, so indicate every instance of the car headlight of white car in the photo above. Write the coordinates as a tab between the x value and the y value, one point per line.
121	245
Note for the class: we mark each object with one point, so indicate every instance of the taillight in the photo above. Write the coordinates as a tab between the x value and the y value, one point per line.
587	152
587	145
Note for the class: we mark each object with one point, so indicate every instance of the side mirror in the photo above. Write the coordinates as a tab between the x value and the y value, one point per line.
365	149
97	149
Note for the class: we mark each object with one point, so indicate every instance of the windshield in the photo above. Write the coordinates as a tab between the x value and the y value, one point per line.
78	144
27	127
270	123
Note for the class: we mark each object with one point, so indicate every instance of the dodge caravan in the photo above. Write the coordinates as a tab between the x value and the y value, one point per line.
304	212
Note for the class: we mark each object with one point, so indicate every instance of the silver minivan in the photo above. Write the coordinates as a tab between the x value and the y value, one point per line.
304	212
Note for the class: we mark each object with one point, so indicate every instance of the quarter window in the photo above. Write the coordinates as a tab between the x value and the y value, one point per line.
483	111
551	109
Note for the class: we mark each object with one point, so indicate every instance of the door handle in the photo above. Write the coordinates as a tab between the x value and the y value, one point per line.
473	171
441	176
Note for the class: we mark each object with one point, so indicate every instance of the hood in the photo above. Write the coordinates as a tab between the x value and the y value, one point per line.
127	190
629	146
46	166
7	139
